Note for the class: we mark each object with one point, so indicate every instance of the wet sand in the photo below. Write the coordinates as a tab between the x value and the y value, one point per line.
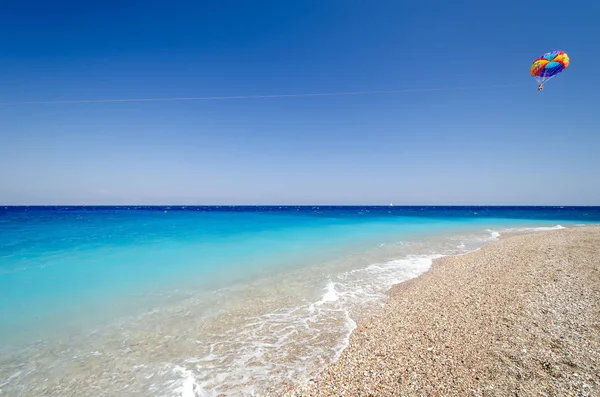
520	317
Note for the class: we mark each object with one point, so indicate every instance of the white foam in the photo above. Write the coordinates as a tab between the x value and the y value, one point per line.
495	235
533	229
331	295
188	386
291	342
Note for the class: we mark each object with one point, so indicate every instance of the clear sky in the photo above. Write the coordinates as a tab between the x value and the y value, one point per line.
487	145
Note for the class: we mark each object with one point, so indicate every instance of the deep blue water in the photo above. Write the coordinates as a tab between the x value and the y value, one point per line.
57	263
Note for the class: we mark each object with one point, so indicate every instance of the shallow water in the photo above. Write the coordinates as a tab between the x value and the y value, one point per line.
109	301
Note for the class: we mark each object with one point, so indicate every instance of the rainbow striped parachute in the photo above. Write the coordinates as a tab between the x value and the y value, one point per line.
548	66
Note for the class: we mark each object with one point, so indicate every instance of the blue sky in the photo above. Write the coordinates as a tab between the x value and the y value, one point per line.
487	145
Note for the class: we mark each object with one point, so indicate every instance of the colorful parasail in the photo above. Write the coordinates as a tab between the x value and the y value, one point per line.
548	66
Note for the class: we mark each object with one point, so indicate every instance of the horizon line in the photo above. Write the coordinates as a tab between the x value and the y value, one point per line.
300	205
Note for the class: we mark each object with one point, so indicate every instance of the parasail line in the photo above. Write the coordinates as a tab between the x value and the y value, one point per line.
214	98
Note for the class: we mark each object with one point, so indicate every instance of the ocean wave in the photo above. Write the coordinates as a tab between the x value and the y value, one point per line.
290	343
293	343
532	229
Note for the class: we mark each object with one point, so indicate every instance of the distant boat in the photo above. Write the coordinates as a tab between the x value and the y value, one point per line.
391	204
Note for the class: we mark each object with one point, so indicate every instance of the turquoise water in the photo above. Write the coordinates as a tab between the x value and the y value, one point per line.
74	274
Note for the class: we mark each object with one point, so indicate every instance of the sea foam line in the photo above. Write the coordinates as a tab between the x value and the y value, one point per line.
293	342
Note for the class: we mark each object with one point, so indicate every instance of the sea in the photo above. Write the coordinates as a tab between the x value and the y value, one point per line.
194	301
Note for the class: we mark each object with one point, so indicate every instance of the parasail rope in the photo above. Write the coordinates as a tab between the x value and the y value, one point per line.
214	98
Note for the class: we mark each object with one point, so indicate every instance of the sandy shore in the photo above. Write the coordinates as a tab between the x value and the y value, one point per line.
520	317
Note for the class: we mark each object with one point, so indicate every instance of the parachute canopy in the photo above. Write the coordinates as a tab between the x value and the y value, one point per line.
549	65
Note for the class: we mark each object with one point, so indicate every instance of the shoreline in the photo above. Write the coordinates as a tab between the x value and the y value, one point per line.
169	358
517	317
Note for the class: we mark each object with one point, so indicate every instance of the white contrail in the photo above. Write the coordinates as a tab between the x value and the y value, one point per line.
214	98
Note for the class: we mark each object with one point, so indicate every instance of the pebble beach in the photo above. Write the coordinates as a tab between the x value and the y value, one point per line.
519	317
